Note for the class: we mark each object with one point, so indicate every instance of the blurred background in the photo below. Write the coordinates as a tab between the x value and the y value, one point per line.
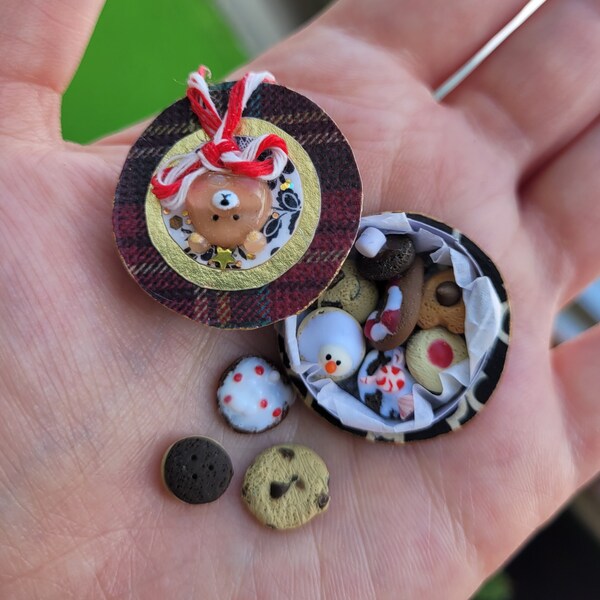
136	65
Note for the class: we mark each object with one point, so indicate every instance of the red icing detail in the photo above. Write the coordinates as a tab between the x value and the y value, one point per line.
276	412
391	319
399	384
368	326
384	369
227	399
395	370
237	377
440	354
259	369
263	403
381	381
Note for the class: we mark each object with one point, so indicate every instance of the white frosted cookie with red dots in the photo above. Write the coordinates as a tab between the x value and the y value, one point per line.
253	396
431	351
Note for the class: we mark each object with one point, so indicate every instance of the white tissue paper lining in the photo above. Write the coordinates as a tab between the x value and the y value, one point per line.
482	325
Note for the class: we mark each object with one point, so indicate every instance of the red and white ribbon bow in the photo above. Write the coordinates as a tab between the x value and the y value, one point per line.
221	153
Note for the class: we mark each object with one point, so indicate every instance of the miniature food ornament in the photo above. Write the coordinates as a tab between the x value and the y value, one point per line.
351	292
442	303
333	339
391	325
430	352
253	396
385	385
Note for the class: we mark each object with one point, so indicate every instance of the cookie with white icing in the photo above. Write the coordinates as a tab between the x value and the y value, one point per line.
253	396
385	385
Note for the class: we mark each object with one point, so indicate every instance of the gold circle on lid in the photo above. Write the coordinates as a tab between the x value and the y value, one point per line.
283	260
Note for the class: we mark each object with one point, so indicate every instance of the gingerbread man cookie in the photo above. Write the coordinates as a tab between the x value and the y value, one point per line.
228	211
442	303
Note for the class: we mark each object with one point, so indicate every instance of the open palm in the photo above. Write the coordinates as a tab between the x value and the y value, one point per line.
96	379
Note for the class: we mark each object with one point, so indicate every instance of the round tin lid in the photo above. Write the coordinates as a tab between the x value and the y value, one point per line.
315	213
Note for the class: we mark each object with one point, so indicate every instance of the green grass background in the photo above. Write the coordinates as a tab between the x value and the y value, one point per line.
138	60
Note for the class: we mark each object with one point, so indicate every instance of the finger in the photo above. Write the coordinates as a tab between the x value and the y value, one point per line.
575	364
41	44
540	89
564	198
434	38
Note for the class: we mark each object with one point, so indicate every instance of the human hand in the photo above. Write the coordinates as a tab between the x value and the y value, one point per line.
96	379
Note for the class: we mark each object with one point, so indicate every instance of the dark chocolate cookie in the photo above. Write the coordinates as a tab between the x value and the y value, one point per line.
396	256
196	470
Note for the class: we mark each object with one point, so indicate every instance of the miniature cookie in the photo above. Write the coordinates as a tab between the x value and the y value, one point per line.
431	351
385	385
442	303
253	396
391	325
392	260
333	339
286	486
351	292
196	470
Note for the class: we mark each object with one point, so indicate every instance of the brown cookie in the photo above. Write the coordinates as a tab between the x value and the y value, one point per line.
396	256
196	470
396	319
286	486
442	303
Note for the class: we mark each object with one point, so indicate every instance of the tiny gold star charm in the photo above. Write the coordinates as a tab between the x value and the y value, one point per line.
223	257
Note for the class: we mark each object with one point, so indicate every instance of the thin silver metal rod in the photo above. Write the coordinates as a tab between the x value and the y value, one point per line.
461	74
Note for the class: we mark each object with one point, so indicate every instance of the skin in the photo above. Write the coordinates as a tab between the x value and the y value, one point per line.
97	380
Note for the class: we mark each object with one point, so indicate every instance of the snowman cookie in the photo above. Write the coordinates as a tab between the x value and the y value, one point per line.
253	396
333	339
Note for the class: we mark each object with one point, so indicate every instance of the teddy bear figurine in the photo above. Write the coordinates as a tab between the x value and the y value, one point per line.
228	211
